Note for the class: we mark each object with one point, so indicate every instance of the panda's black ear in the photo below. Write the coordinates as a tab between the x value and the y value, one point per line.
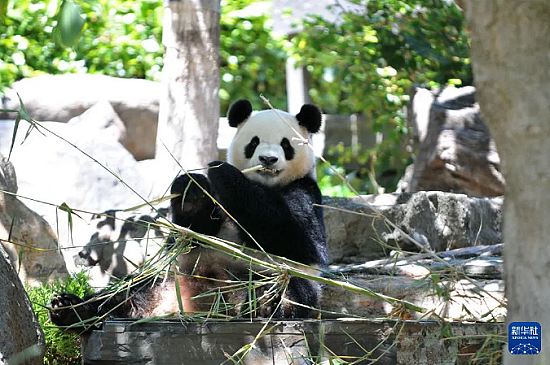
310	117
238	112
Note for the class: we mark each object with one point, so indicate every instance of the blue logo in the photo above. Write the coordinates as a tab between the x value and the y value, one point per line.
524	338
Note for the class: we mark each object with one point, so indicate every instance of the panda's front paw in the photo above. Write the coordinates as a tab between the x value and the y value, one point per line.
68	309
222	171
216	164
263	304
193	198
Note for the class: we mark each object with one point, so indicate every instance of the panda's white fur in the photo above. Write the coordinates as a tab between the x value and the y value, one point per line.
272	126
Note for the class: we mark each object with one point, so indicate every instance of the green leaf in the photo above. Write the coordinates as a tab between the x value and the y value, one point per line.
3	9
23	112
69	23
178	293
16	125
64	207
20	261
11	227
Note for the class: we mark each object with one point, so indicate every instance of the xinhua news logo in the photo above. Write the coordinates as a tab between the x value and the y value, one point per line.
524	338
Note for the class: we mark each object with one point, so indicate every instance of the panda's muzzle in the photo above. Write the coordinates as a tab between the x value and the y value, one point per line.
268	172
268	163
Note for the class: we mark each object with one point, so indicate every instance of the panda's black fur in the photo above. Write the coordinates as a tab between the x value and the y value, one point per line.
277	207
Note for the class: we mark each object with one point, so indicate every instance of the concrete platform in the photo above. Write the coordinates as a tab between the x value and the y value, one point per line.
287	342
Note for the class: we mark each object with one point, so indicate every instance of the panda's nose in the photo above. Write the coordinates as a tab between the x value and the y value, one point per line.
268	160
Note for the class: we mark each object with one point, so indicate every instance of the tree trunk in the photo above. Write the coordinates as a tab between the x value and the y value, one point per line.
189	104
511	61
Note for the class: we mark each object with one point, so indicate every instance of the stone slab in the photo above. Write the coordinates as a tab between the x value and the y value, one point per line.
284	342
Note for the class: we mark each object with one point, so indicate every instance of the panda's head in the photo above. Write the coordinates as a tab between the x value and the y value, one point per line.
264	138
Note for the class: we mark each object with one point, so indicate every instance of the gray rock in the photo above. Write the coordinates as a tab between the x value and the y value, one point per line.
62	97
101	118
456	152
54	171
439	220
28	239
409	278
22	339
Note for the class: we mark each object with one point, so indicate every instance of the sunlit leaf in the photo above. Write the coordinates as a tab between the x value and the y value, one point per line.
69	23
3	9
95	5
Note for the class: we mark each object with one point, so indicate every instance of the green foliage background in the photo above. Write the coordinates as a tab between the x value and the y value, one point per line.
364	63
252	57
122	38
112	42
62	348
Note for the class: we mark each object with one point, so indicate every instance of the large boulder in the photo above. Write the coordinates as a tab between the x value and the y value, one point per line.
62	97
456	152
30	242
22	339
101	118
358	228
79	168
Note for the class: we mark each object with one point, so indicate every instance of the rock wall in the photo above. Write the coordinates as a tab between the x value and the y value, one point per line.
32	245
21	339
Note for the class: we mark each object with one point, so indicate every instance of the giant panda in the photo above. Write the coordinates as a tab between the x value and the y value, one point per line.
274	208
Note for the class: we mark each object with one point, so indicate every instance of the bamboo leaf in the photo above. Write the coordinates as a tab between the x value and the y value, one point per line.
23	111
64	207
11	227
31	127
20	261
15	126
178	293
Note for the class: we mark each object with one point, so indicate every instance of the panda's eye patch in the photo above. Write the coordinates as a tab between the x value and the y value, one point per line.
251	147
288	149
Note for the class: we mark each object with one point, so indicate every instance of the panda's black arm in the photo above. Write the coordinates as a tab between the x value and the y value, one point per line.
78	315
193	208
243	197
284	223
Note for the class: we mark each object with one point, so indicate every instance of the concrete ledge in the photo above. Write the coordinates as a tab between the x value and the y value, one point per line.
285	342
